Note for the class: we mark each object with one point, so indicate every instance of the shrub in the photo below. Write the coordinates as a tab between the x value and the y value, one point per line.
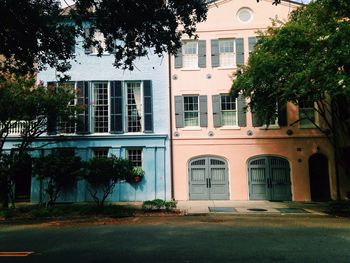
158	204
103	173
57	172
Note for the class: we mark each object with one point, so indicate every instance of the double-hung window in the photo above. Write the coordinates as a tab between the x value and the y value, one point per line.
100	112
190	54
68	125
191	111
307	113
228	110
133	107
227	53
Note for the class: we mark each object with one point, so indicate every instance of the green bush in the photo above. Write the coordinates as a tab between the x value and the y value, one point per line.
158	204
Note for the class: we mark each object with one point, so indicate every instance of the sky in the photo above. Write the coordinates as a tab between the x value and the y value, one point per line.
63	2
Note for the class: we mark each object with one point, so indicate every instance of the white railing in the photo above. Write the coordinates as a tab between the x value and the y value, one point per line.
17	127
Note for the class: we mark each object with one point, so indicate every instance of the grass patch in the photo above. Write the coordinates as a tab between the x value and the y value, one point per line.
67	211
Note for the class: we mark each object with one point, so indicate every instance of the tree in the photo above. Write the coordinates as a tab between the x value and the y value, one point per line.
57	173
102	174
39	31
29	110
307	57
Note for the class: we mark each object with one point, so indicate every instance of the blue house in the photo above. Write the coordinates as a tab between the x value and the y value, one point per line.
126	114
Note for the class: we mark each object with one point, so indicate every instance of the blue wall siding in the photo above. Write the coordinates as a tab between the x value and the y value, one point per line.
155	146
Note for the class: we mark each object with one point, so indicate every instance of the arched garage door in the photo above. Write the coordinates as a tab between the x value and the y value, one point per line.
269	179
208	179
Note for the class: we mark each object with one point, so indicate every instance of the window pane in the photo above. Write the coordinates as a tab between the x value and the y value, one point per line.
135	156
306	113
191	111
227	52
68	125
100	152
190	57
134	107
100	107
228	111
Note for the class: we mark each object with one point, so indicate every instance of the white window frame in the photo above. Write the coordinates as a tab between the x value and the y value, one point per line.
191	111
126	105
93	104
189	61
222	111
225	56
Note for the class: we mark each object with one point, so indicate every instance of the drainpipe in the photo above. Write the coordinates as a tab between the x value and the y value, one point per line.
171	129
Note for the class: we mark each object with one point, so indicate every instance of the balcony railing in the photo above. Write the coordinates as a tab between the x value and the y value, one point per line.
17	127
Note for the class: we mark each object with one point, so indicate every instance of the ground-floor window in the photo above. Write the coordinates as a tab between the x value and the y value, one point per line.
99	152
135	156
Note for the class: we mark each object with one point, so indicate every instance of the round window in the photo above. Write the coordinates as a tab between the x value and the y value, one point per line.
245	15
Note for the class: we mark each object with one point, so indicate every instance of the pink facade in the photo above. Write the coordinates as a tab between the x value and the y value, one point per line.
198	78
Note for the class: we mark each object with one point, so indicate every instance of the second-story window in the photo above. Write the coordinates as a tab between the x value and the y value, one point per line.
100	117
307	113
68	125
228	111
227	53
133	107
191	111
190	54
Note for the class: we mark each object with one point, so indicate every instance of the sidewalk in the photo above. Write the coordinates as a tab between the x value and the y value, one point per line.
251	207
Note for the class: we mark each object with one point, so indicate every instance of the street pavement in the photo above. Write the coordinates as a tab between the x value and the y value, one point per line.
215	237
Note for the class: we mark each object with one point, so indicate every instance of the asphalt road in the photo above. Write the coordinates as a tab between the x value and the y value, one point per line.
217	238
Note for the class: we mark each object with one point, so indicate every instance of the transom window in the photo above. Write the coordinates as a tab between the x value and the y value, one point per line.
228	110
227	52
100	107
307	113
190	54
191	111
100	152
133	107
135	156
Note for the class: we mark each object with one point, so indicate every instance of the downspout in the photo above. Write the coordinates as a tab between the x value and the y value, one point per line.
171	129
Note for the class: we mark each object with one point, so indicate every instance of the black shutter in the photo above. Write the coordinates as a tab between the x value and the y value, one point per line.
116	107
148	111
83	104
52	116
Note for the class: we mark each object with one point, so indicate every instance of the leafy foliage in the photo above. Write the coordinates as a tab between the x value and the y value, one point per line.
57	172
307	57
104	173
158	204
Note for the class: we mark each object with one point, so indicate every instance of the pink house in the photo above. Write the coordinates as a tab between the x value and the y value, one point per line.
219	150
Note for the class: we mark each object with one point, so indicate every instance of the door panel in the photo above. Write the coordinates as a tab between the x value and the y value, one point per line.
269	179
208	179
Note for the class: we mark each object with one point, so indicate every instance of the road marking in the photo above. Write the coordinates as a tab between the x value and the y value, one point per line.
16	254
